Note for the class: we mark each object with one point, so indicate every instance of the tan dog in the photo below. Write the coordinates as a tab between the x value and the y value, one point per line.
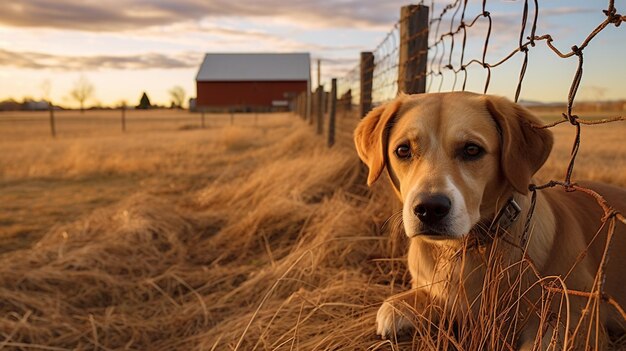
461	163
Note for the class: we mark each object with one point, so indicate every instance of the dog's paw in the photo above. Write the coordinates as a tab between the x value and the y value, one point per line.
392	320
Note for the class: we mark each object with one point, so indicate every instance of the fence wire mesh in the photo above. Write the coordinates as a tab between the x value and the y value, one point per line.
385	73
461	52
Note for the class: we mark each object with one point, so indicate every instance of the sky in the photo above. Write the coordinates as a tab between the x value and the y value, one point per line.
125	47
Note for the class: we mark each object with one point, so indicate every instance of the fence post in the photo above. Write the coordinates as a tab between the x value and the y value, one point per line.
320	109
348	100
298	105
123	118
331	113
413	50
313	107
202	119
367	77
53	130
308	102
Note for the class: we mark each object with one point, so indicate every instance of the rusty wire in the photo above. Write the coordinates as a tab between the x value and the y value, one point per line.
385	71
350	84
524	45
437	65
447	53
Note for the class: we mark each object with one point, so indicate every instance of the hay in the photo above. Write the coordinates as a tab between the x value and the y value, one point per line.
276	243
282	250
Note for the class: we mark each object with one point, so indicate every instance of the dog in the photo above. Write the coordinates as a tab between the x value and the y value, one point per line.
461	164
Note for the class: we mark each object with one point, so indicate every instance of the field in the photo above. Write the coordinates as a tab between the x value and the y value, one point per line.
245	236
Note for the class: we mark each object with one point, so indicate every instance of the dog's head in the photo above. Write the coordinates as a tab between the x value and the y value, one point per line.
451	157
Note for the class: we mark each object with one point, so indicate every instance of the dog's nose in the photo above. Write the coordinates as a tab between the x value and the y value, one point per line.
432	209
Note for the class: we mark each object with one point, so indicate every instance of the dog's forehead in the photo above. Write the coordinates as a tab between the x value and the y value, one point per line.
444	113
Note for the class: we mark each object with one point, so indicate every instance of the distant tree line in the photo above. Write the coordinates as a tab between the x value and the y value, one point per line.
27	104
83	91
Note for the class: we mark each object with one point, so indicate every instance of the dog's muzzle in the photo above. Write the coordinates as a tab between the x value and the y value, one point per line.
432	211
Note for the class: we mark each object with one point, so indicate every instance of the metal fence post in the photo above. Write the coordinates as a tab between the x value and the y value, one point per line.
367	77
413	49
332	112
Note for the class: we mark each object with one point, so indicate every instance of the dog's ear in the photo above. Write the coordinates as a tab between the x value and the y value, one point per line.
525	148
371	135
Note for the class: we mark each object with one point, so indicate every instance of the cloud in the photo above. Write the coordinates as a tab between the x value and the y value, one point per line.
200	34
121	15
36	60
186	27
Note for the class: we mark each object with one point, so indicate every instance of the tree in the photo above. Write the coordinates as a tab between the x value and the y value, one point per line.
178	96
83	91
144	102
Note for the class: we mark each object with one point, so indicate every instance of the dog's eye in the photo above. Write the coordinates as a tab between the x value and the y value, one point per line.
403	151
472	151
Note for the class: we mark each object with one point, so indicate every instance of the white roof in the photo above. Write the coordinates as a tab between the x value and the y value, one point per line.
255	67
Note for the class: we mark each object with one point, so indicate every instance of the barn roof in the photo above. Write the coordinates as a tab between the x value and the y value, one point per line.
255	67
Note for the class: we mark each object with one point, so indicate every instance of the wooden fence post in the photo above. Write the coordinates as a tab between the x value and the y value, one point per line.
413	50
297	106
53	130
202	119
332	112
313	108
308	107
320	110
123	118
367	77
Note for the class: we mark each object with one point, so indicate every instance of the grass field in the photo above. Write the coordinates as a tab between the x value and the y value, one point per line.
92	163
245	236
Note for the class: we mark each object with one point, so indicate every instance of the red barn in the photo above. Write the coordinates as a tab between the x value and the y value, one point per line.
251	82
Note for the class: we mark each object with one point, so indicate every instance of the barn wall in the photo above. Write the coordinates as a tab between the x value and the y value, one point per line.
246	94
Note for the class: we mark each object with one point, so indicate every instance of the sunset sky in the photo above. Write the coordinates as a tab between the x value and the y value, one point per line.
125	47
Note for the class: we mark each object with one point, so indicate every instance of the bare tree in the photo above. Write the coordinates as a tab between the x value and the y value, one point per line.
82	91
177	94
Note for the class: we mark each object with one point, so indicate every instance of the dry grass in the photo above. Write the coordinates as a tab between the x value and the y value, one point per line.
88	166
229	238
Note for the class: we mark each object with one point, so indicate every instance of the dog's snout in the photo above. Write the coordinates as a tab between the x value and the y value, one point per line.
432	208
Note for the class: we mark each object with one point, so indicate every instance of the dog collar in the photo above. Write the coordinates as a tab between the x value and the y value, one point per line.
507	215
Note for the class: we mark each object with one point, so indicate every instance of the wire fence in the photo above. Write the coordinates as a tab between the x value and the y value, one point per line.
22	125
429	50
385	72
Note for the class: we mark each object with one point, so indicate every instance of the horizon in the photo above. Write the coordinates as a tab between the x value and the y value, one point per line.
149	46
